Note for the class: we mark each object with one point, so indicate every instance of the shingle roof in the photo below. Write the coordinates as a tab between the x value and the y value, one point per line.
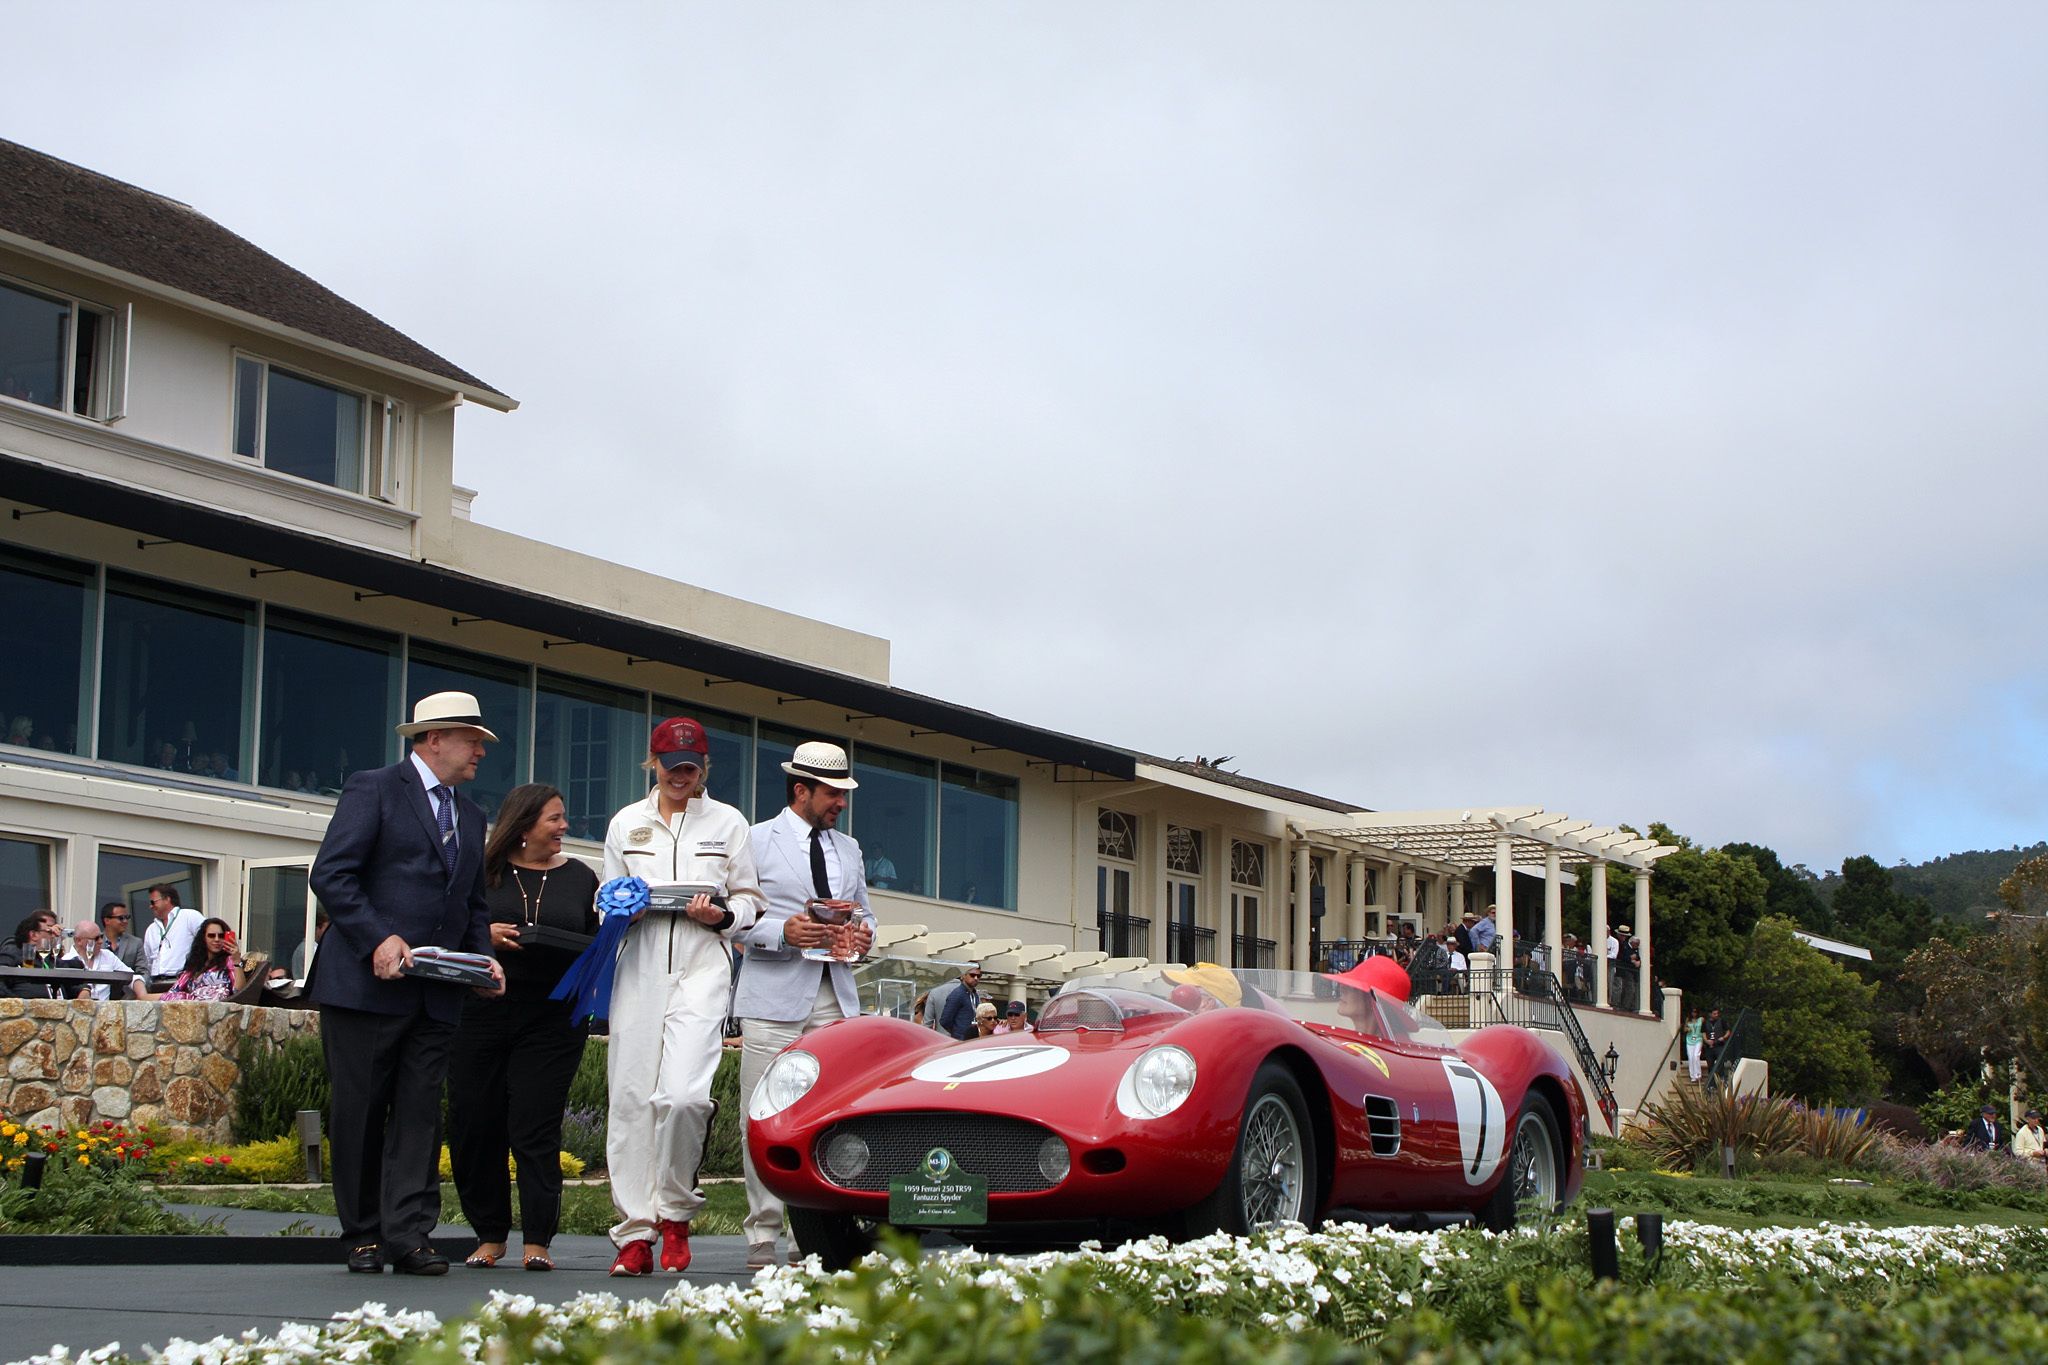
116	224
1250	784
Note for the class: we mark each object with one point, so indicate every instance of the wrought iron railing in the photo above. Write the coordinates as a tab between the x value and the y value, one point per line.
1256	953
1188	944
1539	1001
1125	935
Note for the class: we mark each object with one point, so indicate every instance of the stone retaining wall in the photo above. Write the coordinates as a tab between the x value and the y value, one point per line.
75	1062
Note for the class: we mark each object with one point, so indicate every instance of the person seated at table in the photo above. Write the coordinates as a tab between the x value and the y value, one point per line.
89	953
33	944
211	971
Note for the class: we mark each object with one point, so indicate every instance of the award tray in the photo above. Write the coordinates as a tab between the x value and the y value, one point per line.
548	936
674	898
455	973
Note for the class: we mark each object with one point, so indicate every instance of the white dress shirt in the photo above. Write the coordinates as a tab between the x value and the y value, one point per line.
167	943
801	829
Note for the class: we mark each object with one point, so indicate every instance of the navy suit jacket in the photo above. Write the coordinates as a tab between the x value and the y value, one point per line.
379	873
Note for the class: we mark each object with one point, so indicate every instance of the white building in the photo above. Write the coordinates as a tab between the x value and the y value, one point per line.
232	550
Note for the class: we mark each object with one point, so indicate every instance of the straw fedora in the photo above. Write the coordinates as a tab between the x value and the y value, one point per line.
446	711
817	761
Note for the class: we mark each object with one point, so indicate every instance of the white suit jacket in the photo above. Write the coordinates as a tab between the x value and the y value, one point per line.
777	982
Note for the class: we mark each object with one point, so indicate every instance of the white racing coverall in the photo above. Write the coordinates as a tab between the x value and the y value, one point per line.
669	997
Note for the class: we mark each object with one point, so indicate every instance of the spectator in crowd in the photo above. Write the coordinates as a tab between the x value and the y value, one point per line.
1485	931
1454	975
33	944
22	731
1428	965
1984	1133
2029	1143
782	994
167	756
302	956
116	925
168	942
1621	990
1463	933
514	1055
1695	1043
956	1016
985	1019
917	1008
1717	1037
89	953
211	970
1015	1019
671	992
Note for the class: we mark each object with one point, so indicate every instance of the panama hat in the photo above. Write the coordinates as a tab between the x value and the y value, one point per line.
446	711
1219	982
817	761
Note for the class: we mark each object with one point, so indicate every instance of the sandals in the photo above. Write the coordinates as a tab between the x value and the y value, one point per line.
483	1260
538	1260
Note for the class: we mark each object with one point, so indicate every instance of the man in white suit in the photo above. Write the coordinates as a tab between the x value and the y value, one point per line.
781	994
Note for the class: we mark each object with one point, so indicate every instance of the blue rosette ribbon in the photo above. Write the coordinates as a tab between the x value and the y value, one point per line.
588	982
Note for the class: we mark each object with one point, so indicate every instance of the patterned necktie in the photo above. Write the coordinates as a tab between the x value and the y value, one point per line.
444	820
822	882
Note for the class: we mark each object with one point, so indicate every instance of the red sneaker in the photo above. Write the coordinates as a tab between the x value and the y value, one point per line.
675	1244
635	1258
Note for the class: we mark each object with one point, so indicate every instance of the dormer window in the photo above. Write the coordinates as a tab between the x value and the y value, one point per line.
57	353
310	428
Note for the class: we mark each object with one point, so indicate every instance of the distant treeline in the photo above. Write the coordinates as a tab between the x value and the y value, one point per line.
1960	886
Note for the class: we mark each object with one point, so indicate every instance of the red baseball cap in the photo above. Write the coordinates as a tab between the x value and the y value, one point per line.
679	740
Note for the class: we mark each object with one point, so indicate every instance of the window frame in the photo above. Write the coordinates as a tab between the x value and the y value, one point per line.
107	401
380	439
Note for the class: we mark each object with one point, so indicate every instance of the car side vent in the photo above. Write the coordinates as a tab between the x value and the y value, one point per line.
1383	1121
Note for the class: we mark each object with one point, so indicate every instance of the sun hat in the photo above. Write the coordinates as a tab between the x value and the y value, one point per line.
679	740
817	761
446	711
1377	973
1219	982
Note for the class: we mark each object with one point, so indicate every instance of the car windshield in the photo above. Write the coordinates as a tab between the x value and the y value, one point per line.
1309	997
1098	1007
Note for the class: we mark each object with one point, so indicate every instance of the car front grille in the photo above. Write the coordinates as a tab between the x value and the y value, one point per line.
1001	1150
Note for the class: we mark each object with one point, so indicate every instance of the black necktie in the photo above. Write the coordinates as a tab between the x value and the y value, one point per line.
818	877
444	820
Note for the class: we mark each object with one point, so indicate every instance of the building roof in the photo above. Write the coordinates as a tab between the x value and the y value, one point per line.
1251	784
133	230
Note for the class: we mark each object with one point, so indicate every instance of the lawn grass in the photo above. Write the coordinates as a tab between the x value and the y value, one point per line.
1776	1201
586	1209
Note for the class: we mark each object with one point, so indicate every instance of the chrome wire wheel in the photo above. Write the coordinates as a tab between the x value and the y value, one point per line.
1533	1166
1271	1177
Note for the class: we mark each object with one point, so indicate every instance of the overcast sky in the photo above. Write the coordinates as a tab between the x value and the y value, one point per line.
1637	410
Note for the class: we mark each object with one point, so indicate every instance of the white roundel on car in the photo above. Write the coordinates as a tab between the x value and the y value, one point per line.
1010	1063
1482	1121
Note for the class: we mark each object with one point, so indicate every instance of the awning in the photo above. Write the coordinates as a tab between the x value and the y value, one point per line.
1470	838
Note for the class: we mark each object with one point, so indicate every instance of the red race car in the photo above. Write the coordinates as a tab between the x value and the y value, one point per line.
1172	1100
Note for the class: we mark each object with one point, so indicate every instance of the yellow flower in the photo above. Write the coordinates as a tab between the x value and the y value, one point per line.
85	1161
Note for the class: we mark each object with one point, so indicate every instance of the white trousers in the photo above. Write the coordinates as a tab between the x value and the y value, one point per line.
764	1038
1692	1060
666	1031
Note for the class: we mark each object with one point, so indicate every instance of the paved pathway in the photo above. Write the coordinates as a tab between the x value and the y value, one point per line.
84	1309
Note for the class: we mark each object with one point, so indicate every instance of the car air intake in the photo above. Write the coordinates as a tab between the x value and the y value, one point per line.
1003	1151
1383	1121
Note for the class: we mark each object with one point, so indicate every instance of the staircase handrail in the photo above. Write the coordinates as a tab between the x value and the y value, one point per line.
1589	1061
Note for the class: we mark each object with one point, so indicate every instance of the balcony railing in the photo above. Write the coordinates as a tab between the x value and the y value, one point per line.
1125	935
1188	944
1255	953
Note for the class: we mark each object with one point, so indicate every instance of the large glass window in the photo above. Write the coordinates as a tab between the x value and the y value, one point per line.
24	880
299	425
276	926
977	837
175	679
590	740
45	658
775	747
501	689
894	813
330	700
35	340
732	750
127	877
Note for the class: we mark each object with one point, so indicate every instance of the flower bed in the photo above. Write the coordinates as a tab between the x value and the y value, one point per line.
1284	1296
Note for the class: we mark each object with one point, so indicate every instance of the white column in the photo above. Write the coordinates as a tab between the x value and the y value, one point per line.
1354	896
1407	889
1455	916
1598	946
1299	948
1644	1005
1553	911
1504	897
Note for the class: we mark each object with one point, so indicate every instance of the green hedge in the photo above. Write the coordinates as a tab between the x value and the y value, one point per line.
278	1080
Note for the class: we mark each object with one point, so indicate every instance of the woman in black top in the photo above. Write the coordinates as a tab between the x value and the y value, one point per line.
513	1058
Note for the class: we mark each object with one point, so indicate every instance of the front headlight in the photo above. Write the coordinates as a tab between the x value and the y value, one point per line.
1157	1083
788	1079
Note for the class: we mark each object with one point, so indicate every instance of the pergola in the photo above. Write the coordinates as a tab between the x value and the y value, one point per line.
1516	836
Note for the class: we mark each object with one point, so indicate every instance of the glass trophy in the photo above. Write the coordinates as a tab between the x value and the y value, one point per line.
834	915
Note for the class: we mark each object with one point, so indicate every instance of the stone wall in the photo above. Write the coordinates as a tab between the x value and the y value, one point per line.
75	1062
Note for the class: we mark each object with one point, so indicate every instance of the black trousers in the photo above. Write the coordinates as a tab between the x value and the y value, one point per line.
384	1126
507	1086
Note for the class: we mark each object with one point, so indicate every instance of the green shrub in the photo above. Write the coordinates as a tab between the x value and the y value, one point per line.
1691	1126
102	1202
722	1148
590	1088
278	1080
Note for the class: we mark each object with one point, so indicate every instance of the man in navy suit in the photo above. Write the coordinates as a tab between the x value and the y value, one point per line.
781	994
1984	1134
402	867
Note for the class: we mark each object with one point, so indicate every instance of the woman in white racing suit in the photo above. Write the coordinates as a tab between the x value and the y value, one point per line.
670	991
